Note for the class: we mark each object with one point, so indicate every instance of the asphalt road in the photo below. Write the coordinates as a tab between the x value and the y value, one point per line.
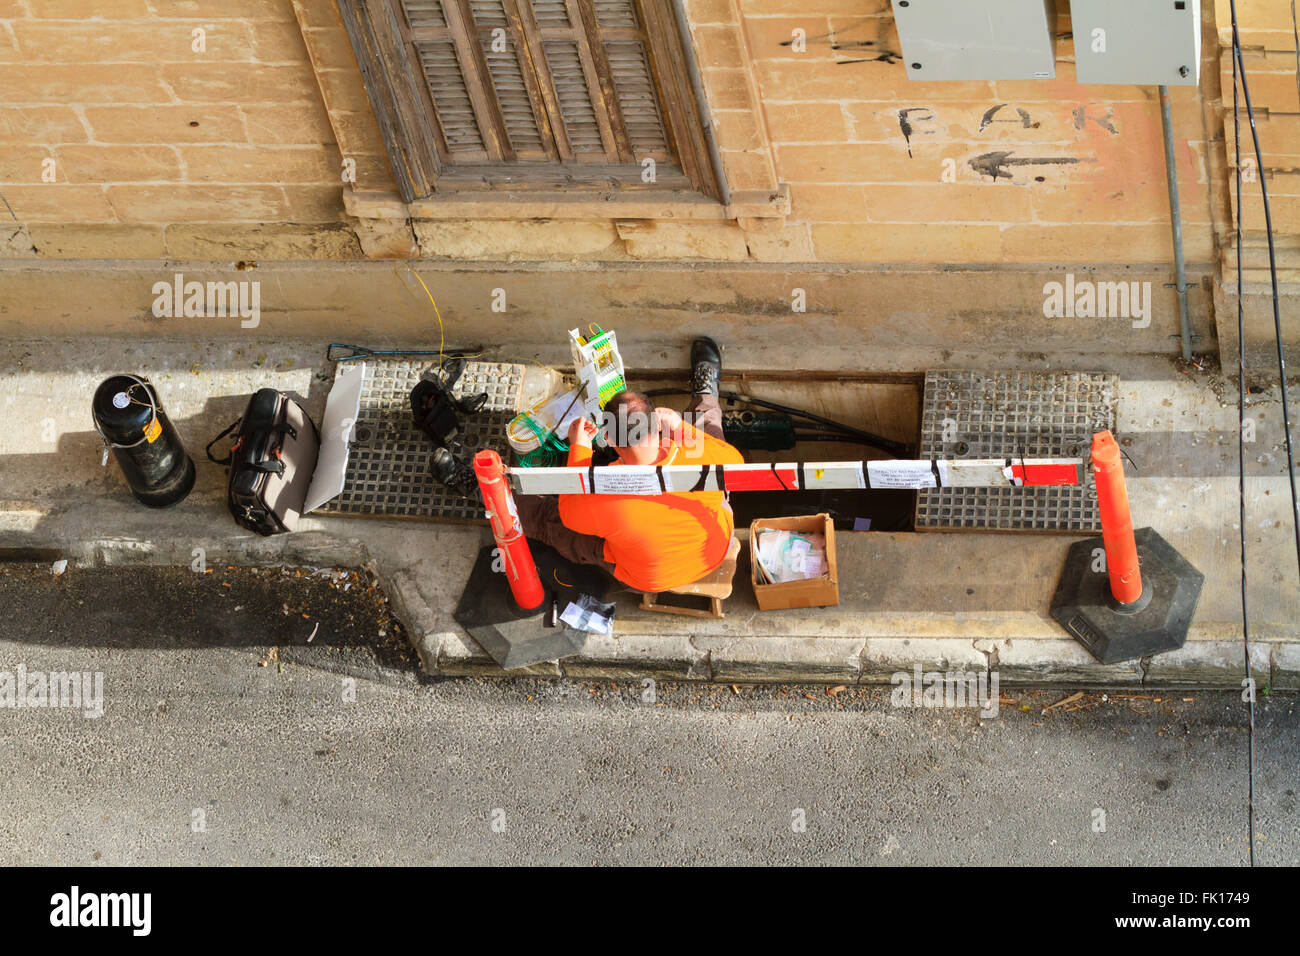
213	749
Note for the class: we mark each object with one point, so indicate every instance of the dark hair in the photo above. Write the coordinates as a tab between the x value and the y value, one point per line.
629	419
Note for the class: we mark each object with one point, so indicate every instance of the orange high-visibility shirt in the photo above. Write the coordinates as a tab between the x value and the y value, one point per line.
656	542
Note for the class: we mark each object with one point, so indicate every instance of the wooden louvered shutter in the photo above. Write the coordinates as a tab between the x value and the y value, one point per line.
566	84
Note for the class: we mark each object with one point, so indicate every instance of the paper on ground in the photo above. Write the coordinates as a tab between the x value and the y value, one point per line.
588	614
341	408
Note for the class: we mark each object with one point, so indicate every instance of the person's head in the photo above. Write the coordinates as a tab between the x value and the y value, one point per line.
632	428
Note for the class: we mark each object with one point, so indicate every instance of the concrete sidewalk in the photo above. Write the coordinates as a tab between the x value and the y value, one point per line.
944	601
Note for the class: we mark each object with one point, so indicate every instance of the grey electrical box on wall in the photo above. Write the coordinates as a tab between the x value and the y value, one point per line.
1137	42
976	39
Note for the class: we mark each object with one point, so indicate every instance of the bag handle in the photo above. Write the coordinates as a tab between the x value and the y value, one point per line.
230	454
282	429
272	466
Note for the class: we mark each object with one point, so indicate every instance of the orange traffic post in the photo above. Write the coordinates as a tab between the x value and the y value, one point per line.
1116	521
521	571
1124	614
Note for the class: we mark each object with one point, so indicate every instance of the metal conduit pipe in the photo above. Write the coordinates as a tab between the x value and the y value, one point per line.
1176	221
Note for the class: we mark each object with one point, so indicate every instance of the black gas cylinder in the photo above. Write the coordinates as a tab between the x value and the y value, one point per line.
131	421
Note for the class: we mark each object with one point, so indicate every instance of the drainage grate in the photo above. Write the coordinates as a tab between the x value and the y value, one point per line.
388	468
1004	415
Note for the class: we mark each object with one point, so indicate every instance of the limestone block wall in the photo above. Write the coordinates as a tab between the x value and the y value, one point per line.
198	129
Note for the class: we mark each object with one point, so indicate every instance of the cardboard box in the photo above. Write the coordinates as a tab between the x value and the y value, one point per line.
814	592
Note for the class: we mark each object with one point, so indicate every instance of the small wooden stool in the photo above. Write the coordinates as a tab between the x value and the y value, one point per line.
716	588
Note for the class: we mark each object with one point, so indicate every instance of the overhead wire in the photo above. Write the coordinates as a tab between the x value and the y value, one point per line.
1239	65
1241	91
1295	33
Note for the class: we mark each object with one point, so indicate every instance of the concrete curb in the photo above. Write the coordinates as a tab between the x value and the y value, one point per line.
691	653
698	651
842	660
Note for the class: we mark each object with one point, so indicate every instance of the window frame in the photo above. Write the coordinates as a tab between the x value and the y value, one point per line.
407	120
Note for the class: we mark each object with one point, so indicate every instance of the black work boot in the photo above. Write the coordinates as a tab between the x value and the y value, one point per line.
454	474
706	366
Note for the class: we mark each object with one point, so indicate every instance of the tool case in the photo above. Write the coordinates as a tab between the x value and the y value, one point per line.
271	462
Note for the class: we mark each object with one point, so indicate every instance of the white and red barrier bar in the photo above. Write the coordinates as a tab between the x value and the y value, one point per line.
798	476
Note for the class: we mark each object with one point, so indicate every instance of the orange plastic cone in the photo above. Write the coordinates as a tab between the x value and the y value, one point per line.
521	572
1116	521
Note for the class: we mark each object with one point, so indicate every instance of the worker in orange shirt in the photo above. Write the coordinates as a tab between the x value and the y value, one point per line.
649	542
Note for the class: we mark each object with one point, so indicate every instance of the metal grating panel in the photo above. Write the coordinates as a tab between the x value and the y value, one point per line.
1005	415
388	468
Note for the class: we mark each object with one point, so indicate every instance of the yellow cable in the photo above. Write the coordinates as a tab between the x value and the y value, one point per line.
442	340
442	334
405	288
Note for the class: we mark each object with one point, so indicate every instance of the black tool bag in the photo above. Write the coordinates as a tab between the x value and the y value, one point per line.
271	462
433	406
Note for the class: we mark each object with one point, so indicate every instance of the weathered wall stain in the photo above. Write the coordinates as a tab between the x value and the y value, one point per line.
906	126
905	123
997	164
989	118
1081	119
841	42
740	307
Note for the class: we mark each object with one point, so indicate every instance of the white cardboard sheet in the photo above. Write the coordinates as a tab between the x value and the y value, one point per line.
341	408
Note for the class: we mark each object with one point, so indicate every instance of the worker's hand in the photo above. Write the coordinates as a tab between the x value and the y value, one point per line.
582	432
670	423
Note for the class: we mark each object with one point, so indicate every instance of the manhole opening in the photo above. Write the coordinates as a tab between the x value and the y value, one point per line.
388	471
943	414
887	406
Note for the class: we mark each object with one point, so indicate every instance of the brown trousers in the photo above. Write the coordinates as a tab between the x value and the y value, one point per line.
540	514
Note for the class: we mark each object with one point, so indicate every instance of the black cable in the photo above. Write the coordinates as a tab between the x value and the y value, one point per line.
361	352
470	405
822	436
810	428
550	432
895	448
1295	32
829	436
1241	434
1239	60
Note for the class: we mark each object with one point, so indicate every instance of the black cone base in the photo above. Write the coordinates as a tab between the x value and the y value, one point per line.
1083	604
517	638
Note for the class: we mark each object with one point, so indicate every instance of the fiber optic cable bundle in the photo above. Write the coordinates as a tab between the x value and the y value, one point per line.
535	434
